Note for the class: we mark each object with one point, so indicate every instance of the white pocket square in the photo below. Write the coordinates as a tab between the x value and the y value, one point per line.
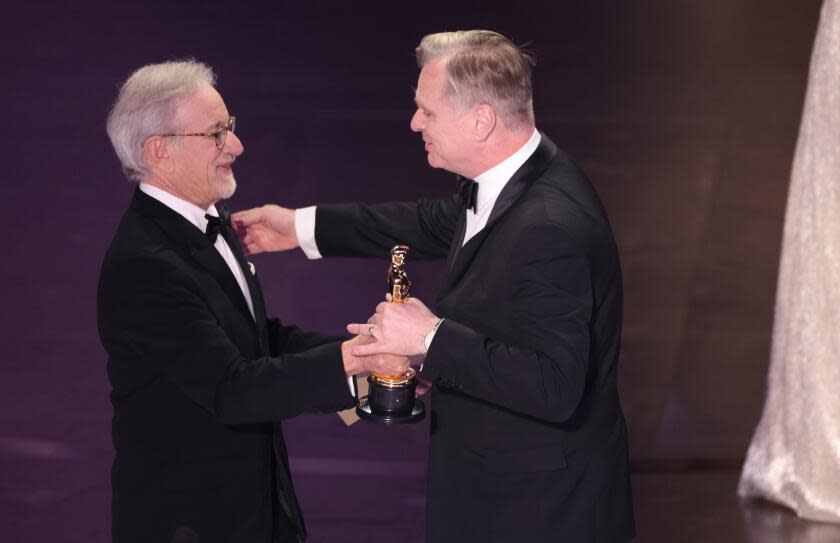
253	268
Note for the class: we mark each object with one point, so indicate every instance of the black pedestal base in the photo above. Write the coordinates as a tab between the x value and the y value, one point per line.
418	413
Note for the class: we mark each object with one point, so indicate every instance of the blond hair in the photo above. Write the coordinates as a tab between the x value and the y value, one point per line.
483	66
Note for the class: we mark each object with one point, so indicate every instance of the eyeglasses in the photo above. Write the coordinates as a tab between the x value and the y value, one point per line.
219	135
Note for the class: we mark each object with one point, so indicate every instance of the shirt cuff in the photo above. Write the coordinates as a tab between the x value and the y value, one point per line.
427	340
305	231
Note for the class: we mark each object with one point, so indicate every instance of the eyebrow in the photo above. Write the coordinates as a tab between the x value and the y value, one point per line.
416	100
216	126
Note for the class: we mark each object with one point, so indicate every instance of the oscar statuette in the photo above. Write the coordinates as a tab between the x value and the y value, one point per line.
391	399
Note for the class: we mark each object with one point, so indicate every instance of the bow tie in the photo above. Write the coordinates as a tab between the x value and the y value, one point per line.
217	224
468	189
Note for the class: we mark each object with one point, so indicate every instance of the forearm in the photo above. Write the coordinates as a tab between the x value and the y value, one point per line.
372	230
291	339
155	325
278	388
545	384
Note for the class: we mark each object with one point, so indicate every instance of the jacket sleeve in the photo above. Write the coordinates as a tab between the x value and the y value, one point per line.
289	339
155	324
427	226
544	376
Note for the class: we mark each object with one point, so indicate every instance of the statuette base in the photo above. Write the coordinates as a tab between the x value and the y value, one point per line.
418	413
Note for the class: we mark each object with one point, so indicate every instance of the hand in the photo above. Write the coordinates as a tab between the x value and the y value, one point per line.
383	363
398	328
268	228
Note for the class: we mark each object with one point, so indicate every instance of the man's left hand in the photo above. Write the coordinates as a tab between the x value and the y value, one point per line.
398	328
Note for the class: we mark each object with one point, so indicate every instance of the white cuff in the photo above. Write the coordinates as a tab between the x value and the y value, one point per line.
427	340
305	231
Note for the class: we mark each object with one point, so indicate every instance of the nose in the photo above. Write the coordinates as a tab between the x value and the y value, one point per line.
417	121
233	145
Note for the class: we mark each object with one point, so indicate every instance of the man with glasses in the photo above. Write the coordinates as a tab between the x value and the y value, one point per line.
200	377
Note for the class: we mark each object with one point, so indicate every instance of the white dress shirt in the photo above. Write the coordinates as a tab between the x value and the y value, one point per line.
490	185
195	215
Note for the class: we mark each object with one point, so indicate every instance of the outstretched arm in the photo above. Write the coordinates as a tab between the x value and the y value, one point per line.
269	228
155	324
427	226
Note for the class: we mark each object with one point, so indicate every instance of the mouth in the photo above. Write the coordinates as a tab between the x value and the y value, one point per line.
225	167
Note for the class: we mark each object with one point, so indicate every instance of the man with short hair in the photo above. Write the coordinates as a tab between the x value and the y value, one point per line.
528	440
200	377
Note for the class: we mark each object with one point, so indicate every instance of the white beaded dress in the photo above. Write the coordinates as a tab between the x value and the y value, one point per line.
794	457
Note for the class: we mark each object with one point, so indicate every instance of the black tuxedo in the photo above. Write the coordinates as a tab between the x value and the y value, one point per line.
198	386
528	441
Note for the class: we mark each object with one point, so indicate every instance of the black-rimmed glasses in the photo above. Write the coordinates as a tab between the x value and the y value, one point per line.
219	135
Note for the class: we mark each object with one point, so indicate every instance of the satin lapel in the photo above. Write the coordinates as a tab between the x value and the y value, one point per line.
210	259
523	178
457	240
462	261
193	244
461	257
254	288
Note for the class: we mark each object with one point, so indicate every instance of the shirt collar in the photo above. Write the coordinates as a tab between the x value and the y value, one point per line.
491	182
186	209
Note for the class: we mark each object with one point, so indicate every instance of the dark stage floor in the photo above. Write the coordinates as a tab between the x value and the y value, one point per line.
698	505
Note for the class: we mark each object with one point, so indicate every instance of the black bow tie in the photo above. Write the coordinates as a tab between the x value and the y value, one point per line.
468	189
217	224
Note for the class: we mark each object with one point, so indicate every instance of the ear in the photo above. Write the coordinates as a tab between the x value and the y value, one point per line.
484	117
156	152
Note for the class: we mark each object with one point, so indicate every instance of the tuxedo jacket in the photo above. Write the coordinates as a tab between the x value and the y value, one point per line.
528	440
198	388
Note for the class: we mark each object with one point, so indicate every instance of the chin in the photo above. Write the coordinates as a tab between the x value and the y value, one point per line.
227	187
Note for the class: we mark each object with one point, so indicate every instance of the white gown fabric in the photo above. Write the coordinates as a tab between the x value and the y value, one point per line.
794	457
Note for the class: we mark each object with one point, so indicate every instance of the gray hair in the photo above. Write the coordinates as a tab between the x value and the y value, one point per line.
483	66
146	105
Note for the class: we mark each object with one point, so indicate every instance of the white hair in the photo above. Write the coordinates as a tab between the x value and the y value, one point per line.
146	105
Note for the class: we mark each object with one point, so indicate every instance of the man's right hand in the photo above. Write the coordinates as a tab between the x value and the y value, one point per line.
387	364
269	228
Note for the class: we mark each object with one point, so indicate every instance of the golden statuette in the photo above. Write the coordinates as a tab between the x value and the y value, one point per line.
398	283
398	287
391	398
